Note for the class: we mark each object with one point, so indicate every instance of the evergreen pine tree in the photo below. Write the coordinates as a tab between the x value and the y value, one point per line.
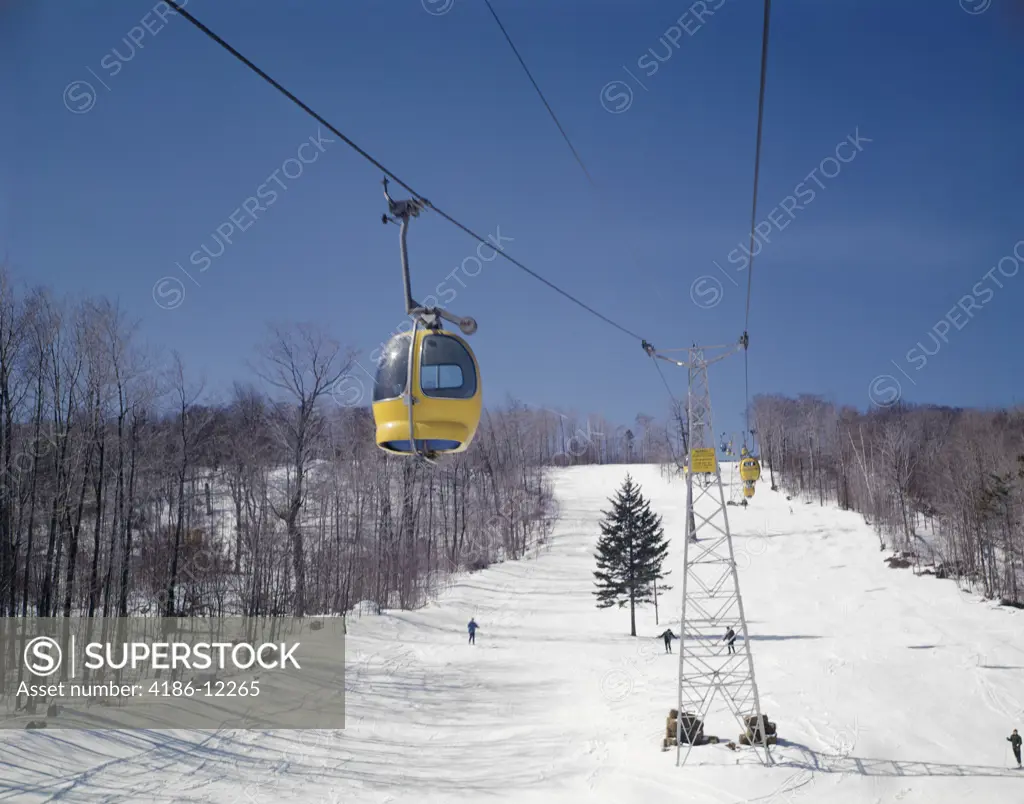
630	552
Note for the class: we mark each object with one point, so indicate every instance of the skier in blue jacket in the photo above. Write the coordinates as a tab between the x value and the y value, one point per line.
472	631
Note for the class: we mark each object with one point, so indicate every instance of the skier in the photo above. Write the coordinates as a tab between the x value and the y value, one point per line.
668	636
1014	740
472	631
730	637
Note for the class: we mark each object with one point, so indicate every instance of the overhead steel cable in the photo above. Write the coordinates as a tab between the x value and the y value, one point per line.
757	151
753	211
320	119
544	100
677	408
655	356
745	337
601	197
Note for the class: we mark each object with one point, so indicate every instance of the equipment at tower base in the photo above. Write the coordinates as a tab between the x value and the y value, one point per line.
687	729
753	735
427	396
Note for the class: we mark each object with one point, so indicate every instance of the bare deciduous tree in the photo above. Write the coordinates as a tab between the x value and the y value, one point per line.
304	365
944	487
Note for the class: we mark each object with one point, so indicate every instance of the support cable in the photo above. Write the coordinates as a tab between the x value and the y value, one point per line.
565	135
177	7
753	212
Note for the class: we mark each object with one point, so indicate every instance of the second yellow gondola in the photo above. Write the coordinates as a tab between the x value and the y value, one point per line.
750	469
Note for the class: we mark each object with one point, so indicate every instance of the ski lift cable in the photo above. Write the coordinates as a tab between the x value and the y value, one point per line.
675	409
544	100
676	405
745	337
188	16
602	197
757	167
753	212
744	340
597	191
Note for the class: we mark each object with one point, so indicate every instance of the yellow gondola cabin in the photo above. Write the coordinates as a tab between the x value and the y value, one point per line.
446	397
426	396
750	469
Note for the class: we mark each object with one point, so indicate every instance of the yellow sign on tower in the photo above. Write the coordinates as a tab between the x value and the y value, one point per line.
702	460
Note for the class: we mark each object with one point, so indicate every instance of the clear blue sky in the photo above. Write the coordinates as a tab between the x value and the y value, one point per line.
180	135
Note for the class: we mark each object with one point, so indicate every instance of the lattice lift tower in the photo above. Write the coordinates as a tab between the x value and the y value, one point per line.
711	588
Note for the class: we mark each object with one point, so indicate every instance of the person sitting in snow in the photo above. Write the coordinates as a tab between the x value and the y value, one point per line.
1014	740
472	631
668	636
730	637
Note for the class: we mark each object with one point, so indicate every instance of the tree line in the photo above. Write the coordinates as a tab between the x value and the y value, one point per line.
127	489
942	486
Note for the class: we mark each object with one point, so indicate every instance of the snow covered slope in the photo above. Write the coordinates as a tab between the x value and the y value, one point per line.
885	687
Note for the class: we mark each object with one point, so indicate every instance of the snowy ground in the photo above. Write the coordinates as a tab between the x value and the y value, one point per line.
885	687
